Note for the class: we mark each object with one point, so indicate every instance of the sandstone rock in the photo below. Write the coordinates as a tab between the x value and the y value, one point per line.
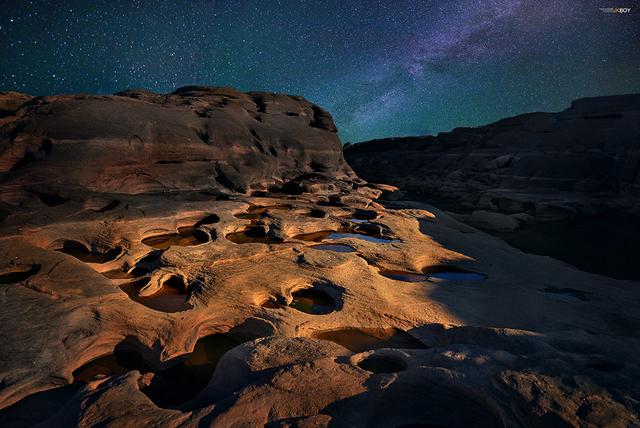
184	306
196	139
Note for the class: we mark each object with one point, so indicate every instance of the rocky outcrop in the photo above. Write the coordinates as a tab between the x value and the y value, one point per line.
164	303
581	161
135	142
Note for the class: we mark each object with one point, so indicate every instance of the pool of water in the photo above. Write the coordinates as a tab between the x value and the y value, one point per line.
253	213
440	272
399	275
379	364
257	212
252	235
314	236
338	248
367	339
115	364
333	235
178	383
172	296
272	304
357	220
459	276
452	273
81	252
312	301
136	272
570	293
183	381
19	274
606	244
186	237
362	217
376	239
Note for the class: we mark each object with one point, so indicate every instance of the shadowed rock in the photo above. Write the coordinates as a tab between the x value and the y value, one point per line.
579	161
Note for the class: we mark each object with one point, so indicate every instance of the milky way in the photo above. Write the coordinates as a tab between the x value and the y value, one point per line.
383	68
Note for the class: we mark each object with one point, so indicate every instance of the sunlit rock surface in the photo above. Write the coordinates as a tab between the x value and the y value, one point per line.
138	304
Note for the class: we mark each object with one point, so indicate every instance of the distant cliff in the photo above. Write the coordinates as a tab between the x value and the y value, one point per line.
194	139
580	161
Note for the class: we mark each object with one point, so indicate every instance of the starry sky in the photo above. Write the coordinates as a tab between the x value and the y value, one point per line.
381	67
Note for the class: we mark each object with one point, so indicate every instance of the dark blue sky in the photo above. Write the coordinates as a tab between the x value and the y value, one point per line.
383	68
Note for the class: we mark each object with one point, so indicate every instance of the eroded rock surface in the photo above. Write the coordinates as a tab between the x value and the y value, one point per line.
196	138
108	308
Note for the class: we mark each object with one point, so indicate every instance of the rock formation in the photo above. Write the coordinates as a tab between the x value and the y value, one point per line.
581	161
197	139
157	268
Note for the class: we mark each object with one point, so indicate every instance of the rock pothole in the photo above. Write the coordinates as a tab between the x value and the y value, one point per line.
382	364
308	300
452	273
253	235
570	293
367	339
437	272
185	237
325	235
338	248
399	275
256	212
81	252
15	274
172	296
313	301
362	216
182	379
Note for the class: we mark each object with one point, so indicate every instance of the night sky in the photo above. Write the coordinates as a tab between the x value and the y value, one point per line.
383	68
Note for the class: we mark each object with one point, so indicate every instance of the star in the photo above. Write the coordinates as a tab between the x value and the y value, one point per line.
381	68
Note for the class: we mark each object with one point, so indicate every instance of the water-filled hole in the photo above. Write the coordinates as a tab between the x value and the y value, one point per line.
568	292
118	274
257	212
180	382
312	301
452	273
19	274
338	248
251	235
209	219
382	364
186	236
81	252
271	304
360	215
343	234
172	296
399	275
317	213
367	339
118	363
